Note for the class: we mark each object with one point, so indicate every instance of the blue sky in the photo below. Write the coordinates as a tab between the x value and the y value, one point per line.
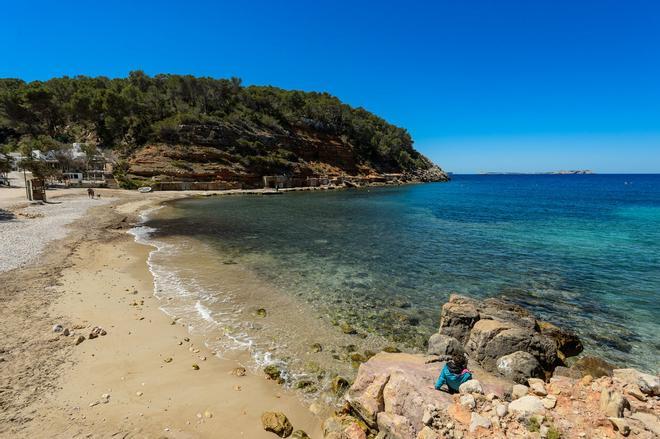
480	85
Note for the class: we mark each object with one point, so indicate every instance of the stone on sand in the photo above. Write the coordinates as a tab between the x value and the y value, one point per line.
276	422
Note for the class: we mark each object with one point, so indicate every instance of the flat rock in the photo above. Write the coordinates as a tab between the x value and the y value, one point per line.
647	383
527	405
477	421
403	384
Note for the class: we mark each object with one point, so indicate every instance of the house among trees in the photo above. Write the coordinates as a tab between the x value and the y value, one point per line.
77	165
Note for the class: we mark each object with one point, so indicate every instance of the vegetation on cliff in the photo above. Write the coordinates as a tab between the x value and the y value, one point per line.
253	126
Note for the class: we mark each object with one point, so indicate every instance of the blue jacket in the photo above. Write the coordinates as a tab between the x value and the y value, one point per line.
452	380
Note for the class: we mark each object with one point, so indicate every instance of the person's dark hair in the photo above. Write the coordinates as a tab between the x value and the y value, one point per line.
457	363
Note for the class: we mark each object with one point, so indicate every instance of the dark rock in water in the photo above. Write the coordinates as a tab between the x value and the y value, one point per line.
444	346
273	372
594	366
300	434
339	385
457	318
562	371
306	385
316	347
357	357
276	422
567	341
261	312
346	328
80	339
519	366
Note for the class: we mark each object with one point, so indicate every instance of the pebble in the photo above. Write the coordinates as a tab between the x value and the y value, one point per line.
195	366
139	393
168	360
208	414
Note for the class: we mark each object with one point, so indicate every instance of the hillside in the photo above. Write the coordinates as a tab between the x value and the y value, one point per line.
183	128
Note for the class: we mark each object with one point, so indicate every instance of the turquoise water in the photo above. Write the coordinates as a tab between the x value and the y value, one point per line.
582	251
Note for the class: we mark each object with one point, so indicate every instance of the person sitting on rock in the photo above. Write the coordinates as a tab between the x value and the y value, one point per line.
454	374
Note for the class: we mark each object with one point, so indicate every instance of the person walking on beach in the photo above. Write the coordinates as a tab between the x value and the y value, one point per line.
454	374
90	193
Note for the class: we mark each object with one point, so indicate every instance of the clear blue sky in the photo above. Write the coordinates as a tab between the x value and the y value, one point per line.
481	85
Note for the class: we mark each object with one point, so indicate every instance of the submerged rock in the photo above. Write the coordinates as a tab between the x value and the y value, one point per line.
594	366
276	422
527	405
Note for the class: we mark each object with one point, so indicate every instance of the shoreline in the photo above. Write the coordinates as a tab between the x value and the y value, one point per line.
64	393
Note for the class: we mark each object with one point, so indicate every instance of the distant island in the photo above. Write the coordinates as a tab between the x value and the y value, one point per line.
571	172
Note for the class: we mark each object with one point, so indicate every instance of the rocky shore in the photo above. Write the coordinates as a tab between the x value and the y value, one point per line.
522	387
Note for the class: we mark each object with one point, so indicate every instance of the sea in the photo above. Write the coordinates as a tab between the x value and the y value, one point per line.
316	281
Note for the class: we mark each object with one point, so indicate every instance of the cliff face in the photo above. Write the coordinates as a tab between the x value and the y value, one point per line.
241	156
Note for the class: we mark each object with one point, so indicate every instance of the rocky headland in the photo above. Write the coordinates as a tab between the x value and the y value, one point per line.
522	386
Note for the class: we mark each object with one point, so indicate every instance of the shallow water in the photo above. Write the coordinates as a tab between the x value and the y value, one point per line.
581	251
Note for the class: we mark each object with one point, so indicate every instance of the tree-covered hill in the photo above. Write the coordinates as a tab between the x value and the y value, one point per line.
217	124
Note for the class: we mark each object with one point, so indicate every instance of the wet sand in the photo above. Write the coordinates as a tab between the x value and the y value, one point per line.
122	384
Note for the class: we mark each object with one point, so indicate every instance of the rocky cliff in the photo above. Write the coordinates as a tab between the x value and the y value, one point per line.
520	389
239	157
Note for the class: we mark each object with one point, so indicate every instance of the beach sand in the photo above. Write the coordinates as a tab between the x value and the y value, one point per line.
97	276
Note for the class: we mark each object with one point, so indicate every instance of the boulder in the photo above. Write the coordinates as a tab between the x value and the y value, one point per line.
402	384
457	317
568	343
477	421
444	346
481	335
276	422
471	386
612	403
527	406
395	426
519	366
647	383
366	395
594	366
515	339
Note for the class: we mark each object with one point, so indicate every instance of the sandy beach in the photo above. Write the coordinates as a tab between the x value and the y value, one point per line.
139	380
